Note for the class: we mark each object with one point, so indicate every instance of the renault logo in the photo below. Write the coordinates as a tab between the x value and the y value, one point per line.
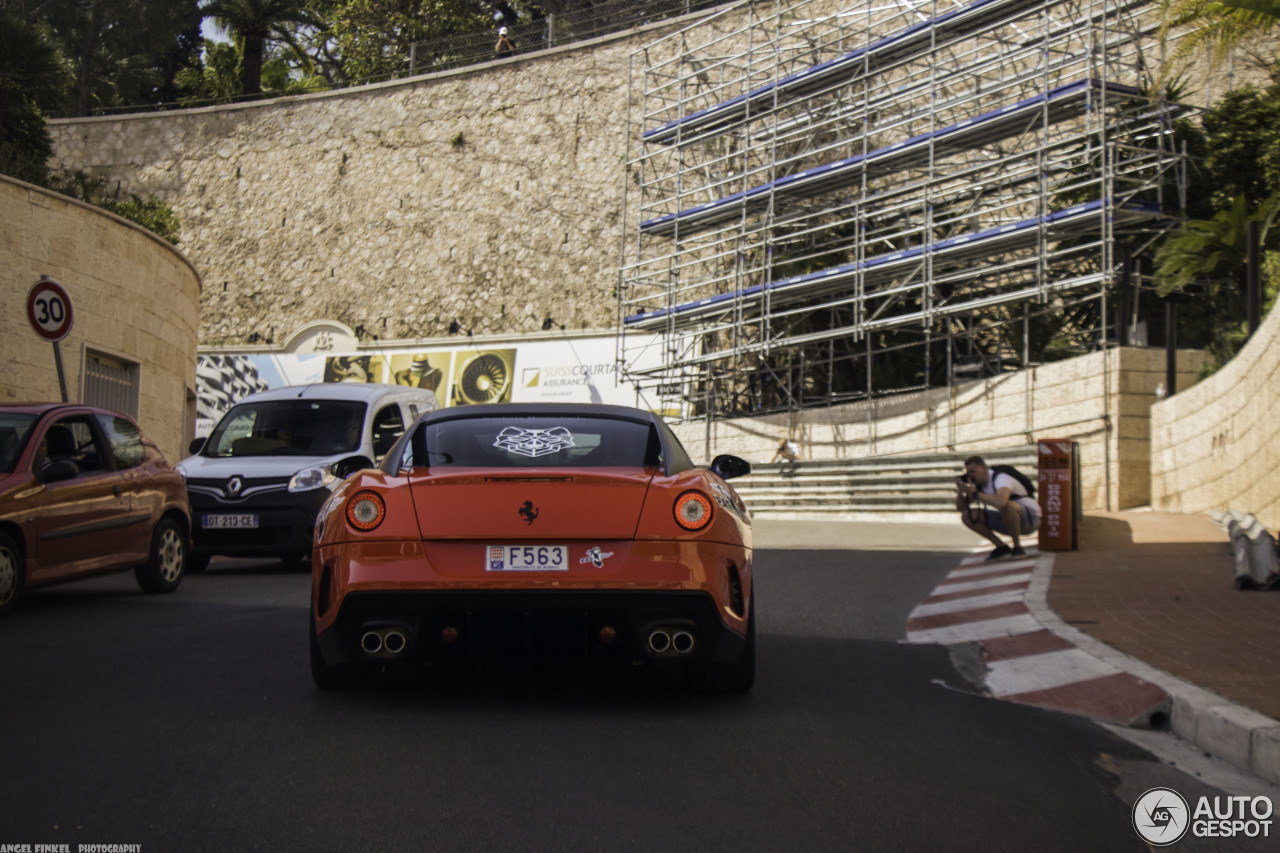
233	487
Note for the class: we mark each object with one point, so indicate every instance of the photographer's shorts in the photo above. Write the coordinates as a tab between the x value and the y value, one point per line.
1030	522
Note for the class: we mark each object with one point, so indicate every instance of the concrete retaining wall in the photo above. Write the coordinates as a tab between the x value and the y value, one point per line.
1101	400
1217	446
135	298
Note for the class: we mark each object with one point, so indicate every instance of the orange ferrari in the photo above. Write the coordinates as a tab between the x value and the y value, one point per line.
527	533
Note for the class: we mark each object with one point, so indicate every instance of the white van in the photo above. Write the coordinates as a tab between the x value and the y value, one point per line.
258	481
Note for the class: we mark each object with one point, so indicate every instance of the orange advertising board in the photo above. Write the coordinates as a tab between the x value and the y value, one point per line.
1054	490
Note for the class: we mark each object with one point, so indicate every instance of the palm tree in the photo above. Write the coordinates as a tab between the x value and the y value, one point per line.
217	78
1218	25
1211	249
1211	253
256	21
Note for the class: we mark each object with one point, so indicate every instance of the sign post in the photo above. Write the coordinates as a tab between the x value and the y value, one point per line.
49	310
1055	489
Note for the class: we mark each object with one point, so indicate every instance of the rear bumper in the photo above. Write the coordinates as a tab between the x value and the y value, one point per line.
470	628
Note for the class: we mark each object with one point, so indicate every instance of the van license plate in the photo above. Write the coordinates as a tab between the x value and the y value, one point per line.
230	522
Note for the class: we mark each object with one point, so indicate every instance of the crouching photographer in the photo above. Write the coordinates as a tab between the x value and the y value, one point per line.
995	500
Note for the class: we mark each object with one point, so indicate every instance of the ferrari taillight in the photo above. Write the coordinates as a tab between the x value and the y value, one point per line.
365	510
693	510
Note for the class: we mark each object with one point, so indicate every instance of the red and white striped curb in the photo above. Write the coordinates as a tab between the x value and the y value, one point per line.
986	603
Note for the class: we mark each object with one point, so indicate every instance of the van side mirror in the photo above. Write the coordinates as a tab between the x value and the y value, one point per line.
729	467
344	468
196	445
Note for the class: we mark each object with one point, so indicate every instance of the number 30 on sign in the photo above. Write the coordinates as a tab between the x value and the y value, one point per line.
49	310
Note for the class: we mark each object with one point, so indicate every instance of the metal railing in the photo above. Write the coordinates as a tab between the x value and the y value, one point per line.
457	51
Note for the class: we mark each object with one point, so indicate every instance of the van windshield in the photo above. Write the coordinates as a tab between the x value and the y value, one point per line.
288	428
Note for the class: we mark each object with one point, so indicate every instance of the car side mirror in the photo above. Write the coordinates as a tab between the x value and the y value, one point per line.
344	468
196	445
62	469
728	467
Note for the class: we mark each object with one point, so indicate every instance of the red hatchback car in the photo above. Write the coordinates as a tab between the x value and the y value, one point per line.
83	491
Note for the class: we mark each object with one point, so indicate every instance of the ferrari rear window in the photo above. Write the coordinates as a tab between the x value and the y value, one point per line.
539	442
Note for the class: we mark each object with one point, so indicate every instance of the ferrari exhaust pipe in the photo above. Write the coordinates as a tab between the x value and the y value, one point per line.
395	641
682	642
659	640
371	642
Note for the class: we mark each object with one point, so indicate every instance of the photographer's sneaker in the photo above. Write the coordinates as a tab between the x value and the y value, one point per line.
1000	552
1017	553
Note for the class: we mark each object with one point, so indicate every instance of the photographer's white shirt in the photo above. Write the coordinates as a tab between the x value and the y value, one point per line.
997	481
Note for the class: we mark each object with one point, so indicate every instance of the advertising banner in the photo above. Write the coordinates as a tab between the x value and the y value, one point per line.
568	370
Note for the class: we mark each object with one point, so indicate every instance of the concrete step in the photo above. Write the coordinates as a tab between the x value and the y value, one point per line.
913	485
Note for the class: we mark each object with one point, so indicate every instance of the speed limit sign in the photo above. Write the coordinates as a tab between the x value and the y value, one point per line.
49	310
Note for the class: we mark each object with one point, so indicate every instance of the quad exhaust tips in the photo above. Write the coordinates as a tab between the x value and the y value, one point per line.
668	642
384	642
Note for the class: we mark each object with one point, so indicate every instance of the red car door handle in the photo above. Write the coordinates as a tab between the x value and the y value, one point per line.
117	490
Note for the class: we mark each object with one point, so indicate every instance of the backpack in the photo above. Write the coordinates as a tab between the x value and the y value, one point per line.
1017	475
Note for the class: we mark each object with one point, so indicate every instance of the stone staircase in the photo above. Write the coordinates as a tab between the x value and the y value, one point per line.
917	487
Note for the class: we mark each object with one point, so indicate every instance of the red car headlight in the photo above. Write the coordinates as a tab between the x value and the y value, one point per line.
365	510
693	510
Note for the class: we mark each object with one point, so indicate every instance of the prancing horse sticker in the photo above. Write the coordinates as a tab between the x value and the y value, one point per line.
534	442
596	557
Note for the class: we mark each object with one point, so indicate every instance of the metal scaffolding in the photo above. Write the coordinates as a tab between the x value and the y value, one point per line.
829	204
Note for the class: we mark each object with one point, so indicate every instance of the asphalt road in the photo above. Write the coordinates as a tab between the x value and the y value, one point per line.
189	722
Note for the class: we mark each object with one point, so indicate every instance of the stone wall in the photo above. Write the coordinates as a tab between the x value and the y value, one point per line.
490	196
1217	445
136	299
1101	400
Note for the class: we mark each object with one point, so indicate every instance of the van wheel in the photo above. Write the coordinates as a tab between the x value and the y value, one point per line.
163	572
11	574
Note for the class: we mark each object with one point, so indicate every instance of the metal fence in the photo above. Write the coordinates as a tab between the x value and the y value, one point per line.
612	16
548	32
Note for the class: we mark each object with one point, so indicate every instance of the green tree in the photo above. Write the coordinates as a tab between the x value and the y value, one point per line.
1208	255
257	22
1242	148
123	52
1220	26
151	213
1211	249
32	80
373	38
215	78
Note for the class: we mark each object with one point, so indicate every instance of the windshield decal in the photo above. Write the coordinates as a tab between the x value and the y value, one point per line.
534	442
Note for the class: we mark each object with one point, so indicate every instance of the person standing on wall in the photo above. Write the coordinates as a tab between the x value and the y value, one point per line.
505	46
993	501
